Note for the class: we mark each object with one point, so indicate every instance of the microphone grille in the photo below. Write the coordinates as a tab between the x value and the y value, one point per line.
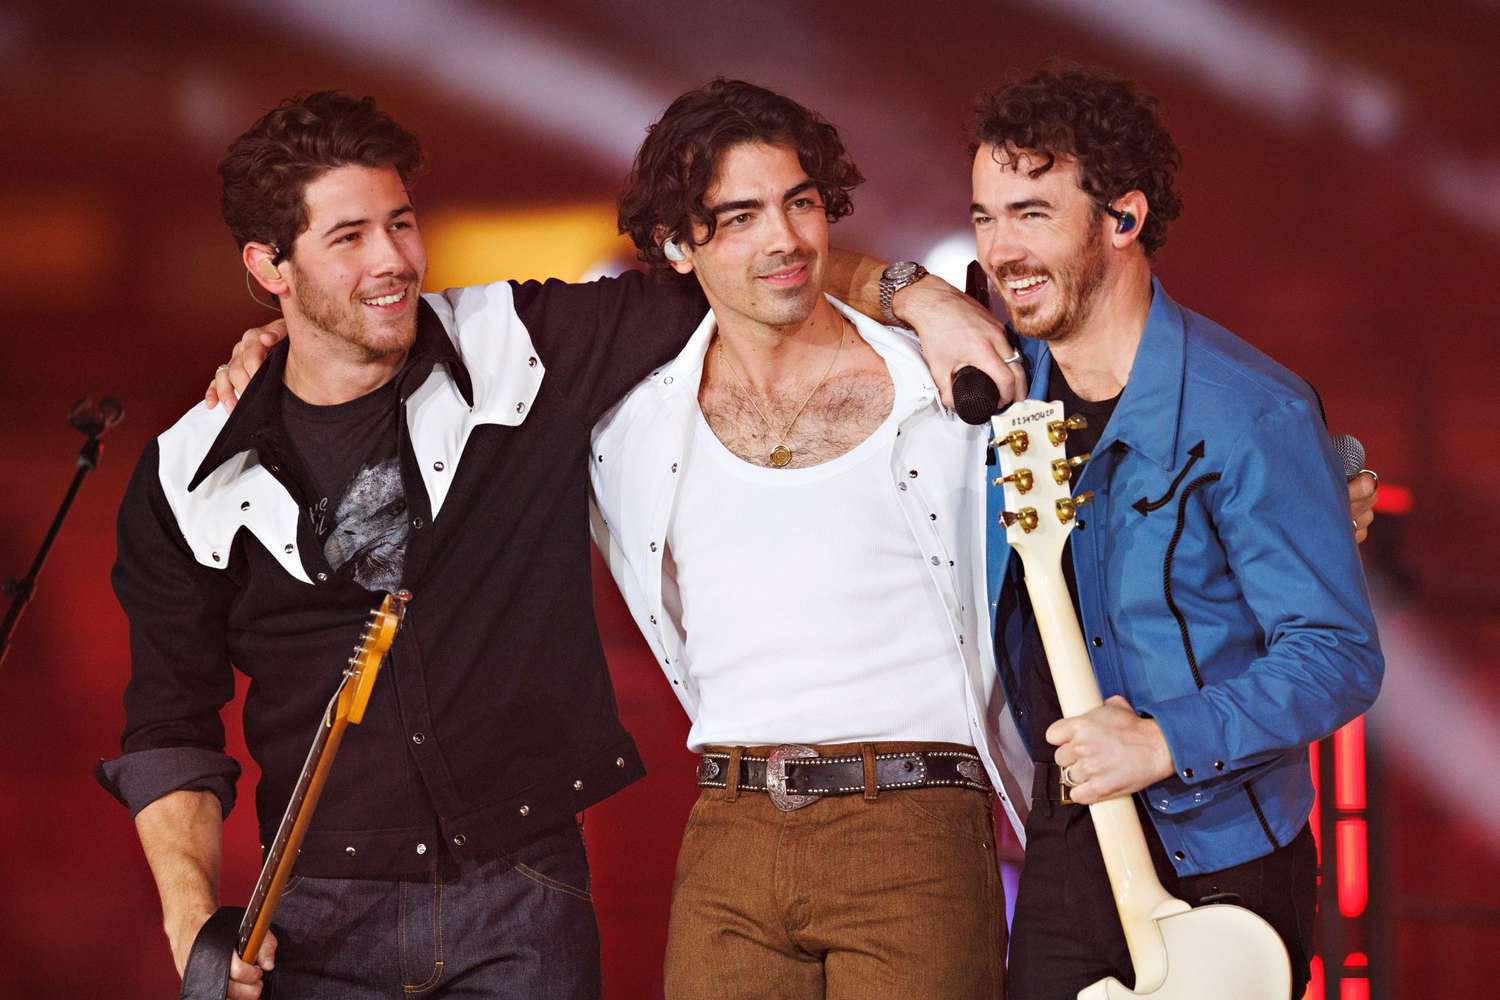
975	395
1350	452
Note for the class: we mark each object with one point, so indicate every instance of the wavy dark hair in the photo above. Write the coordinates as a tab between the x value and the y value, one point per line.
676	164
268	168
1114	131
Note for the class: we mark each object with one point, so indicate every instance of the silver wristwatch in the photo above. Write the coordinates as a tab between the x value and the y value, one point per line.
892	280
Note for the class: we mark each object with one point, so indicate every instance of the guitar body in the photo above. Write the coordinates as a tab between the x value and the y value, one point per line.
1216	951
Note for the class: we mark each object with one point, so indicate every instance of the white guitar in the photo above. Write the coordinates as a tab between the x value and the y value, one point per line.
1179	952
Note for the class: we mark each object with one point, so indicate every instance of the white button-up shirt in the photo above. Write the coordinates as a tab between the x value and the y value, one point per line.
937	472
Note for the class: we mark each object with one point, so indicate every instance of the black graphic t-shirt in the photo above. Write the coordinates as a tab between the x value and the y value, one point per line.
1041	693
358	506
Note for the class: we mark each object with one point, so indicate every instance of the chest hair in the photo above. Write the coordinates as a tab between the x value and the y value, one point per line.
844	411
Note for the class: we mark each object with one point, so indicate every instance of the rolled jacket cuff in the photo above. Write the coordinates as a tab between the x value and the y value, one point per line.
139	778
1191	730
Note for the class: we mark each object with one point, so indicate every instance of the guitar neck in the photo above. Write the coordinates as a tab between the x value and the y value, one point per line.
289	833
1139	895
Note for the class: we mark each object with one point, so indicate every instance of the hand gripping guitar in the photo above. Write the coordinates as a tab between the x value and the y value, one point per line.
1179	952
207	971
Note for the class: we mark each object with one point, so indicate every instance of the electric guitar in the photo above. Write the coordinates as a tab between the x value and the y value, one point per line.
206	974
1179	952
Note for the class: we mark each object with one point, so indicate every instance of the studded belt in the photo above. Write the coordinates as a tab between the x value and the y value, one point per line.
795	775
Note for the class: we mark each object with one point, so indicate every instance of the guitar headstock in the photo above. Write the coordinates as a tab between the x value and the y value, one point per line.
364	665
1030	441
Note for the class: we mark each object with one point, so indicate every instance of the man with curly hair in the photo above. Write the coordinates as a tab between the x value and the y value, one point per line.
796	525
1217	580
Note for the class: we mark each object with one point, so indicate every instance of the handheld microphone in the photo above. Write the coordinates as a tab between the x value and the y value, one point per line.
1351	453
975	394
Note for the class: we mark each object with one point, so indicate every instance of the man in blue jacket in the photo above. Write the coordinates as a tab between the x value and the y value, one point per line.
1214	572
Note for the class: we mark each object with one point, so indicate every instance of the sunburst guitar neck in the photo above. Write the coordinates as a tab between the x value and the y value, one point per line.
1178	952
345	708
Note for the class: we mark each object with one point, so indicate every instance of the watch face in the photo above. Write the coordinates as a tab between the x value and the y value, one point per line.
901	270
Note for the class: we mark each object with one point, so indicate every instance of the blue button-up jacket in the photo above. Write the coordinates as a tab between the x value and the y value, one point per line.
1218	584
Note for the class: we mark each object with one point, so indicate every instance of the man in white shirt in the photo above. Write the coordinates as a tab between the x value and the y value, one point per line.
795	523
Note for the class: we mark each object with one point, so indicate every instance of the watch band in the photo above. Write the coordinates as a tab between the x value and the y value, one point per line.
894	278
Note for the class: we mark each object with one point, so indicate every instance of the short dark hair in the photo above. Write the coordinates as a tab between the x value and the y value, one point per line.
676	164
268	168
1114	131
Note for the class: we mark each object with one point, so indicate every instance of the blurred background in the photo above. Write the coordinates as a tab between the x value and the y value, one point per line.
1342	188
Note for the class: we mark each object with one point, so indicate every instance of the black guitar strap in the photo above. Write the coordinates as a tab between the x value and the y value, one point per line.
207	974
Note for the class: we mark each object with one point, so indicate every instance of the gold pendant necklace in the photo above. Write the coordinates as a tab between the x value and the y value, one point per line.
781	456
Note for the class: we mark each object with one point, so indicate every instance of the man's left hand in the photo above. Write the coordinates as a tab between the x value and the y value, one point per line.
957	331
1110	751
1362	489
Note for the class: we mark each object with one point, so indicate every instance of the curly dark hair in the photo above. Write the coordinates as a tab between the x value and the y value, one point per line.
676	164
1114	131
268	168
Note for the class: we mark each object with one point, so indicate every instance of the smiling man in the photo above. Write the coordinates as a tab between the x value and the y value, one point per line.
1217	579
795	524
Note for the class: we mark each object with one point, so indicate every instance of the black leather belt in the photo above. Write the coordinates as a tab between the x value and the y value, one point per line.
795	776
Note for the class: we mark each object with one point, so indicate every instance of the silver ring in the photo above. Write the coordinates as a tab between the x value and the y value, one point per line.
1067	777
1012	359
1372	474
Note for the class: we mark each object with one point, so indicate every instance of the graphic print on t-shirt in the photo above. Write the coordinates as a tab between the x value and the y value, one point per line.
366	538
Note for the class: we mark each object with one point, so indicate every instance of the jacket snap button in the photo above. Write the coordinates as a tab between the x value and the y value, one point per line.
935	561
1097	641
288	549
531	362
437	466
1218	765
524	810
322	577
1179	855
216	557
418	738
350	851
577	785
421	848
520	407
244	505
619	762
653	546
912	473
1187	772
901	487
459	840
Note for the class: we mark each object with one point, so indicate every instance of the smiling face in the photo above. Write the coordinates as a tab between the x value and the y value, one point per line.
1041	241
357	269
765	261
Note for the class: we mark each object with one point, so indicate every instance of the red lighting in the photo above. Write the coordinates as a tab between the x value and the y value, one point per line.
1316	817
1315	984
1393	499
1354	871
1357	960
1354	989
1349	766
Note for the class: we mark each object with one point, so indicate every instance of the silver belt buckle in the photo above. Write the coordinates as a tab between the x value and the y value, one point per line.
776	776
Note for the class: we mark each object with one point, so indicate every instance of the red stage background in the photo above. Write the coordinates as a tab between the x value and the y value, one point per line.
1342	185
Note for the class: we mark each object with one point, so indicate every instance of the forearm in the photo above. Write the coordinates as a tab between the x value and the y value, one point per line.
180	834
854	278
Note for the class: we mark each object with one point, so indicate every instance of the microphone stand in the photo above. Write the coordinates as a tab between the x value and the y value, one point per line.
93	419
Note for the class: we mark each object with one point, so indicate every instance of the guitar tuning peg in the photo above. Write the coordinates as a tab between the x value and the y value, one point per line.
1057	430
1067	507
1062	468
1017	440
1026	517
1021	478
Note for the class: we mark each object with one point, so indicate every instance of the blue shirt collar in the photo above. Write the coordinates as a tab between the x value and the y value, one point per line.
1147	417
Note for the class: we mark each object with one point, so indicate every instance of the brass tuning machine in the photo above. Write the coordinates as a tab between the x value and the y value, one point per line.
1026	517
1018	441
1021	479
1062	468
1057	430
1067	507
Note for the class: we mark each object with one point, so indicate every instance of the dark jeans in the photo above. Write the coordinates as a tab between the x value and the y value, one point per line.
1066	934
521	926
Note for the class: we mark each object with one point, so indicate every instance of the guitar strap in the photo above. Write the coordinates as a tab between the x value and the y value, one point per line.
207	974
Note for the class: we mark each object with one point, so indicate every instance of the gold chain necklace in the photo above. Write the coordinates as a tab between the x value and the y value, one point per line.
781	456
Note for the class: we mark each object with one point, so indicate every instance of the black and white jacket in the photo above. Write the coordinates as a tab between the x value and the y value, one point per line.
493	717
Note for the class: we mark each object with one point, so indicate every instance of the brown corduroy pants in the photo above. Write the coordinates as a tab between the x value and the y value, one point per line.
850	898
